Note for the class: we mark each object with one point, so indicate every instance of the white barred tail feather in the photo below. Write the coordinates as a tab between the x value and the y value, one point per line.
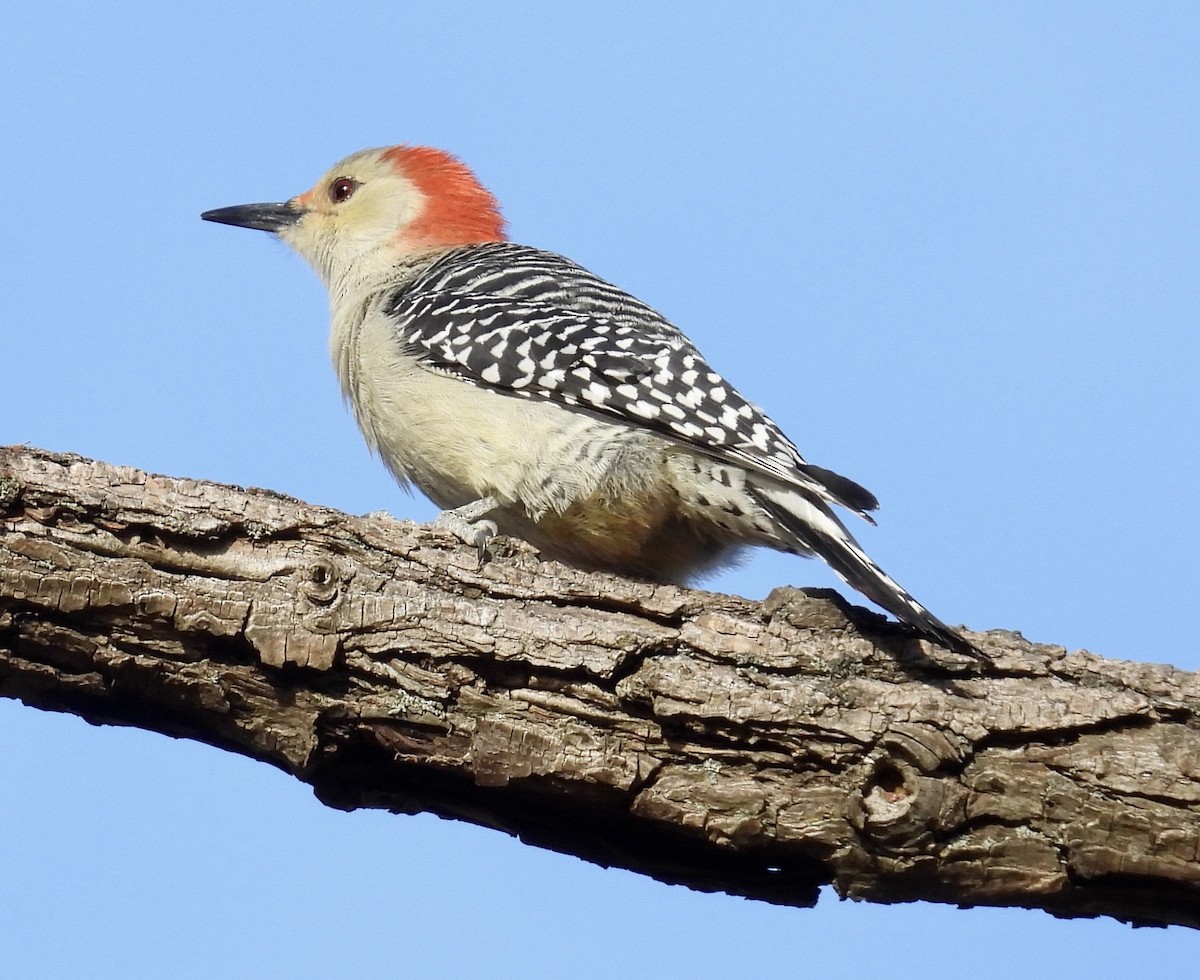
817	530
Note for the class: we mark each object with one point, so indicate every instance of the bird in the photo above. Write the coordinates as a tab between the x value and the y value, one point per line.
527	396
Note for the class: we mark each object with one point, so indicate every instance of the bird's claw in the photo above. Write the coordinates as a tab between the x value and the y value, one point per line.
484	532
464	524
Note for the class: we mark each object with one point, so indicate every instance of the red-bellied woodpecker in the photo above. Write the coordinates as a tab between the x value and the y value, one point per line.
522	393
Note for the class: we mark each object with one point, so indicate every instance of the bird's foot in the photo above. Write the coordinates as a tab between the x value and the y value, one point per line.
465	524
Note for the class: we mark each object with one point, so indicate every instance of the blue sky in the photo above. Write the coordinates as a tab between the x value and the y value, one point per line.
952	248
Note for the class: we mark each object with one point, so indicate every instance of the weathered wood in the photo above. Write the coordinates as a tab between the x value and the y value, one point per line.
761	749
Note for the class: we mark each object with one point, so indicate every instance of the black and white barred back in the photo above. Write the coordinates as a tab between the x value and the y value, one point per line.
531	323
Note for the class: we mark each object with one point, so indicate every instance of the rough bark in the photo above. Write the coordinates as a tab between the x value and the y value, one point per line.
761	749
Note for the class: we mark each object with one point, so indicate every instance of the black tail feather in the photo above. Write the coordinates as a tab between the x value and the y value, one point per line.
824	535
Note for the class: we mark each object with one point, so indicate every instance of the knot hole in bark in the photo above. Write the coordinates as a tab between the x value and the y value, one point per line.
898	807
321	583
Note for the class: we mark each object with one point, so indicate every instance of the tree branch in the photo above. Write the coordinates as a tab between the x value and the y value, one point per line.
761	749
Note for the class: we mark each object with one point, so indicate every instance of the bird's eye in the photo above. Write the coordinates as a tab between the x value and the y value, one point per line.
341	189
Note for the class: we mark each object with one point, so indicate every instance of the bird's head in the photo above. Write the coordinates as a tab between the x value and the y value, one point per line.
377	208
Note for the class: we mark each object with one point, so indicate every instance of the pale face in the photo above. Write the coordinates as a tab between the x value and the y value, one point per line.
353	219
377	210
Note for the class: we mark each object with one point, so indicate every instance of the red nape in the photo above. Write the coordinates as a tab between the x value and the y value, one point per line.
458	209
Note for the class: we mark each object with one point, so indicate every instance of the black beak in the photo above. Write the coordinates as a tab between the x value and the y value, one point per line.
263	217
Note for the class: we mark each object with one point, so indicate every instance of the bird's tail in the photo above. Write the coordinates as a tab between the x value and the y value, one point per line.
817	530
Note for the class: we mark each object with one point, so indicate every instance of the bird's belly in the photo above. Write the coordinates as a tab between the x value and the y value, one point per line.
580	489
459	442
